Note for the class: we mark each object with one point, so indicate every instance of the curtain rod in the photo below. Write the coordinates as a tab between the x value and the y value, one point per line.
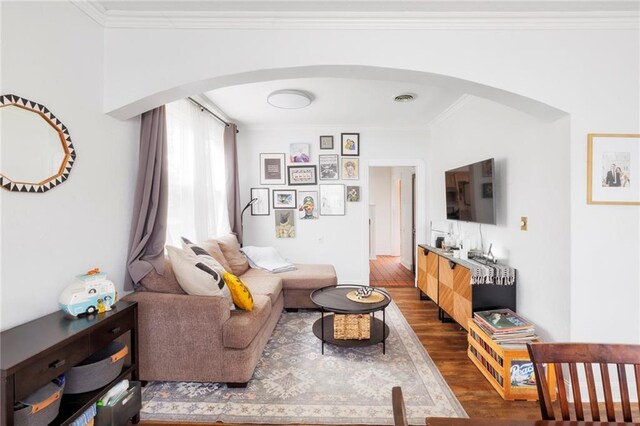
204	108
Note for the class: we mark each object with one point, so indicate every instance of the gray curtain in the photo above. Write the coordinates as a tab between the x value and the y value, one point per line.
233	185
149	223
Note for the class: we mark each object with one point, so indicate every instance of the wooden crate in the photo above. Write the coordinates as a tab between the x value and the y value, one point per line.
500	366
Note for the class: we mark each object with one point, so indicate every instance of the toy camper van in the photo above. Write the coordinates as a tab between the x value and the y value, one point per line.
89	293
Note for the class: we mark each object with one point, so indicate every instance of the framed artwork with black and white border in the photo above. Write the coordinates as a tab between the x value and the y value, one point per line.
261	206
328	164
302	175
350	144
284	199
272	170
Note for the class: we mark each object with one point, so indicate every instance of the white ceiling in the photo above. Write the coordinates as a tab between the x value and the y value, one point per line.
368	5
336	101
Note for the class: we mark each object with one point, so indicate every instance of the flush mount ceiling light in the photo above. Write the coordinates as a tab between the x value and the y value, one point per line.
289	99
405	97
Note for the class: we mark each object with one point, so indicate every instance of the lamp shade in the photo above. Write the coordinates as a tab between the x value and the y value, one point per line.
289	99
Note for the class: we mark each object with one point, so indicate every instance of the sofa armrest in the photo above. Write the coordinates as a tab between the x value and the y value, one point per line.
178	334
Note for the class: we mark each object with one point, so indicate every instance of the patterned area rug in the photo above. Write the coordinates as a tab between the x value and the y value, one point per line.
294	383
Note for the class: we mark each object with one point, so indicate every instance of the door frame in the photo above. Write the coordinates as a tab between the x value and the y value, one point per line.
419	206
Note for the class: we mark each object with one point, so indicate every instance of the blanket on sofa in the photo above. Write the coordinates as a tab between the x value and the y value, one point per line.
266	258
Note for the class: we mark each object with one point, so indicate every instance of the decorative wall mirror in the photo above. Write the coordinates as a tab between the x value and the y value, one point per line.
36	153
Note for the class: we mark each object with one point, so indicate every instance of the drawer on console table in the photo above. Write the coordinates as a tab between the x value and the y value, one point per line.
49	366
111	329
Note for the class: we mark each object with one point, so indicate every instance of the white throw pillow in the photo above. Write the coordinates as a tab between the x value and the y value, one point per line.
195	250
197	275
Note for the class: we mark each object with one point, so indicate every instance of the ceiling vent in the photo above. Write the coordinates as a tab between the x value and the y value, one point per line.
406	97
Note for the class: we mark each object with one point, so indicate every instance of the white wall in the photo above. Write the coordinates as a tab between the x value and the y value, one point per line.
338	240
53	54
380	193
530	169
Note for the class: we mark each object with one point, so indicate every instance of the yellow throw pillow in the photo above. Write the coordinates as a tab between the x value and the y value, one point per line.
239	292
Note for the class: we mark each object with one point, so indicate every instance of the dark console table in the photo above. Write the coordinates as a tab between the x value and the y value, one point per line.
35	353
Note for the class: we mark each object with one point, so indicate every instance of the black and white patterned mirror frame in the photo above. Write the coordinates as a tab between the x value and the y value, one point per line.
65	140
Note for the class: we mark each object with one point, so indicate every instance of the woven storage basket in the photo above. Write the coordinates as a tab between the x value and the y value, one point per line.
41	407
97	370
352	326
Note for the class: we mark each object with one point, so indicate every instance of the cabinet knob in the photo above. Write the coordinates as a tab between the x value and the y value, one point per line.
425	251
452	264
57	364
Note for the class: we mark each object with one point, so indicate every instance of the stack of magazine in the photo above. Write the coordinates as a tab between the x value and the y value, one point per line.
505	327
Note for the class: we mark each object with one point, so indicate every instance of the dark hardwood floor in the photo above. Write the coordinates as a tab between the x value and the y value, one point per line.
446	344
386	271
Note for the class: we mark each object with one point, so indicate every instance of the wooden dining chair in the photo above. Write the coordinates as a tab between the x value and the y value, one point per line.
590	356
399	410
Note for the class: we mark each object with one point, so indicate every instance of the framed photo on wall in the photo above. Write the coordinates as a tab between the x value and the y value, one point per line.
350	168
353	194
328	167
350	144
302	175
284	198
299	153
307	205
272	170
332	199
326	142
285	224
613	168
261	206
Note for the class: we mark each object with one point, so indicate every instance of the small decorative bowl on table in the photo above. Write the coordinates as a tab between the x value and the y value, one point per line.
365	295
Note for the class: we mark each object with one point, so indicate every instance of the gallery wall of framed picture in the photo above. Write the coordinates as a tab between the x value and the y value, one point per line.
306	164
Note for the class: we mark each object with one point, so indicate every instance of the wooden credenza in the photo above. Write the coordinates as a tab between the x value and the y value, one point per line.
447	282
35	353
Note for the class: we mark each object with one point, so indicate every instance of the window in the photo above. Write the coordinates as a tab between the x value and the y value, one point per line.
197	197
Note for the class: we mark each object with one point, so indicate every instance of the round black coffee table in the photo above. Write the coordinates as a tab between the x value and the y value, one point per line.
334	299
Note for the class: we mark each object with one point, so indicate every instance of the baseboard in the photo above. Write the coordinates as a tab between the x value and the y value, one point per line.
406	265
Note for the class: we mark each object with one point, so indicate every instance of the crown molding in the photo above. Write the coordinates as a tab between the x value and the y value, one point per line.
412	20
93	10
456	106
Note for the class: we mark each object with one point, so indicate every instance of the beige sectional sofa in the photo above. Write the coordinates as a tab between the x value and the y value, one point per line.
198	338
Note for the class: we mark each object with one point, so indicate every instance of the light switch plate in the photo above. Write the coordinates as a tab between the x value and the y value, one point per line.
523	223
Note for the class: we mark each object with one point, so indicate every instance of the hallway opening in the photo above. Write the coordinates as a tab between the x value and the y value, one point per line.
387	271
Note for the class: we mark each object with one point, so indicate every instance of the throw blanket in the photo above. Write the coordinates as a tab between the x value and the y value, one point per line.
266	258
491	273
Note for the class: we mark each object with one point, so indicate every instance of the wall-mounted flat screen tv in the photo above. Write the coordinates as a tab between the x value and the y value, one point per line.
469	192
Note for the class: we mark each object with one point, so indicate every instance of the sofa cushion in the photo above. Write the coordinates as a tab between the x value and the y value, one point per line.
265	285
197	275
231	250
165	283
304	277
243	326
202	253
240	293
213	248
